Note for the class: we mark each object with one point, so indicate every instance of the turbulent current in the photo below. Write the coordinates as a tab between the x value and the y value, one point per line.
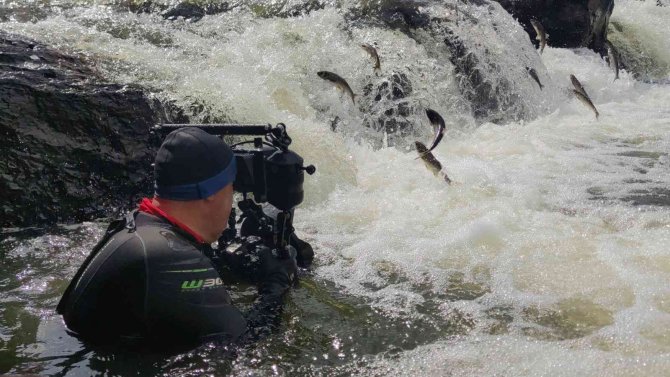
548	255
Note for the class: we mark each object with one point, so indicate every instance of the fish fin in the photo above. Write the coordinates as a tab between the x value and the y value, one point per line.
422	154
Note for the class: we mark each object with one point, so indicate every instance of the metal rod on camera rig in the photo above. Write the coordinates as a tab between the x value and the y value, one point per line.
220	128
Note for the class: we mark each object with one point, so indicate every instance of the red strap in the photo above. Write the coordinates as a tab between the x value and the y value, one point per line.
146	205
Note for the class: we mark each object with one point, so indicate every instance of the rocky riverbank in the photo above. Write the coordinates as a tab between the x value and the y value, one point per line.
74	146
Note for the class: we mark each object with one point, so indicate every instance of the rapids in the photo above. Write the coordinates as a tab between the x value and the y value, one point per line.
547	256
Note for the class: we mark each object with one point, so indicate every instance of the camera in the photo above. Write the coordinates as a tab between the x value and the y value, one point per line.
271	171
274	175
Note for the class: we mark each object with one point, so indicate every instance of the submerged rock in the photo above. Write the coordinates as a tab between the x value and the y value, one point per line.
386	100
192	10
74	147
638	55
195	11
286	9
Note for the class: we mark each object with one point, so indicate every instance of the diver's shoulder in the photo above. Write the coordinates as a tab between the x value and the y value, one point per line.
159	236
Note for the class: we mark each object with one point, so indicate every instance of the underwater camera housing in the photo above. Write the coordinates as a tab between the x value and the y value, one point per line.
268	170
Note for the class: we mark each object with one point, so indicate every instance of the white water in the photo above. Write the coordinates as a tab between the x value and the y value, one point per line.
584	281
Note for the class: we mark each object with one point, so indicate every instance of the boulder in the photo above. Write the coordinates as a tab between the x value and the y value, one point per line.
195	10
74	147
492	98
569	23
191	10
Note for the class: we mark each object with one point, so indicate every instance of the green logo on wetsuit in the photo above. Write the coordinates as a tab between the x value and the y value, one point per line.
193	284
197	284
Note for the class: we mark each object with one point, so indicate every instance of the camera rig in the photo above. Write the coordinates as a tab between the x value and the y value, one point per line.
268	170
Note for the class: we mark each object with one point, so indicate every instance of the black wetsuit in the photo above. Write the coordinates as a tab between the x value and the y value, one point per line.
149	281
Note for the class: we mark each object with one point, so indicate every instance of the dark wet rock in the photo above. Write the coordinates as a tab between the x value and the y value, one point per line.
501	318
642	154
492	98
460	288
127	30
395	14
570	318
192	10
195	11
26	12
404	16
654	196
287	9
488	103
74	147
637	55
302	8
386	100
569	23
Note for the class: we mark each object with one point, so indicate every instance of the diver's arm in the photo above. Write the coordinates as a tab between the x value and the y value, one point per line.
277	277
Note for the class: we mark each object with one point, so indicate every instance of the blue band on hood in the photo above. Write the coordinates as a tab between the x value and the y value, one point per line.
200	190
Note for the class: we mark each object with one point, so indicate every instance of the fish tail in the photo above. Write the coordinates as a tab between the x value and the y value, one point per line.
446	177
353	98
541	86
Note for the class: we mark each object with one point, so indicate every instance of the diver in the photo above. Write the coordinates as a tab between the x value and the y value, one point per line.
152	279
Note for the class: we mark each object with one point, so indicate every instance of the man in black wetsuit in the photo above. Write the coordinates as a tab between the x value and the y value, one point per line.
150	279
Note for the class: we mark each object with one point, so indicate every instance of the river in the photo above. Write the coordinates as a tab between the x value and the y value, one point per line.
548	255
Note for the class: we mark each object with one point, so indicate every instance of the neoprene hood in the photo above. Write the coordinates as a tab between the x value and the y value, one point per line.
192	164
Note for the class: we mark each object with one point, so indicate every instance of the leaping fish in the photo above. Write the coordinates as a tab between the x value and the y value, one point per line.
437	122
533	74
578	85
339	82
431	162
586	101
541	34
581	94
374	55
613	57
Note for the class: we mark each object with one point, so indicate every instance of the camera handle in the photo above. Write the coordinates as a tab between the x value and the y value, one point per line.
283	230
277	235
